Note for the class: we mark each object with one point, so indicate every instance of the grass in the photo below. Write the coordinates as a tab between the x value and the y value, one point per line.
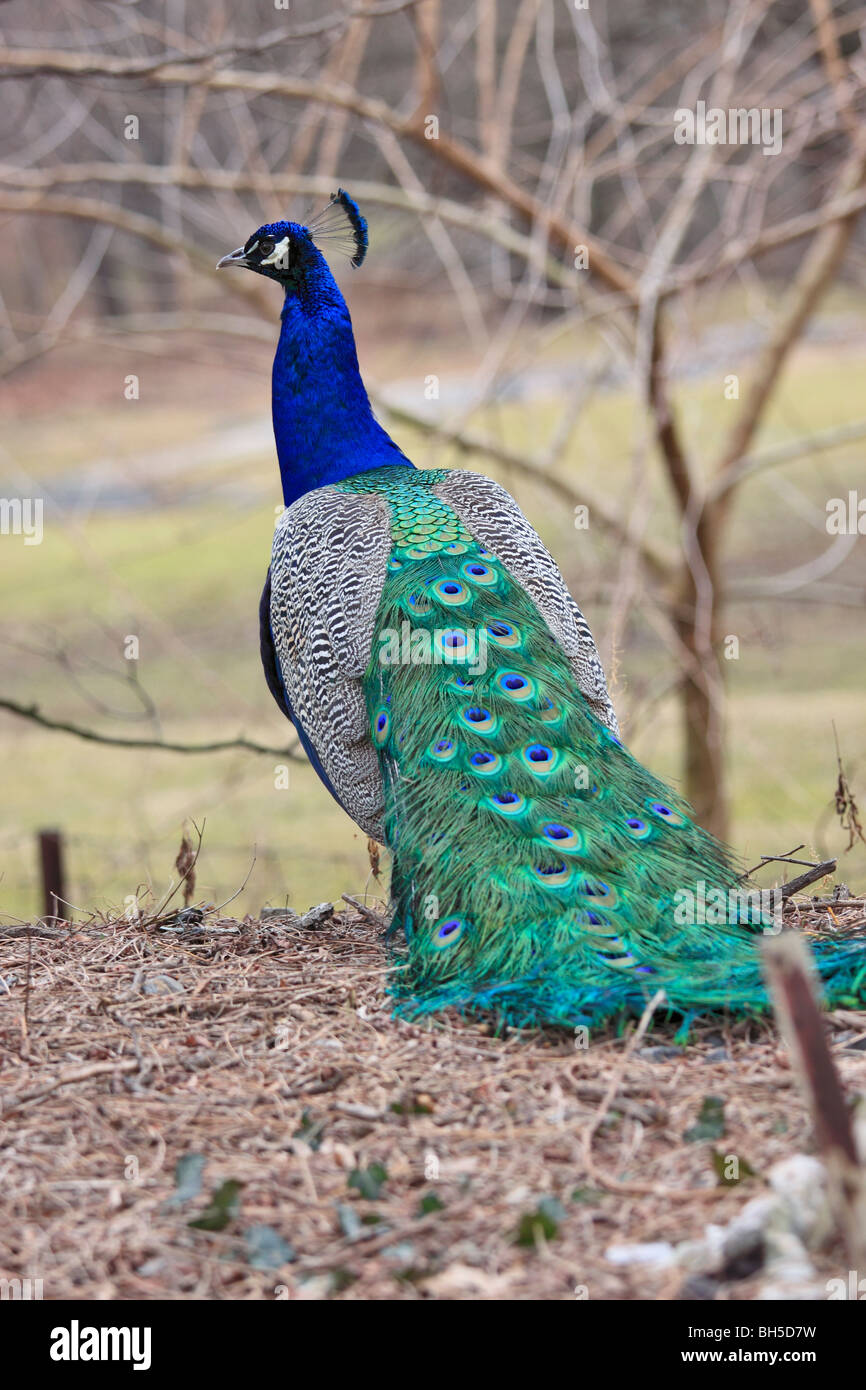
185	580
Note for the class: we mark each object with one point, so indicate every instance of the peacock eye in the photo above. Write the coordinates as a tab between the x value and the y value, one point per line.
266	246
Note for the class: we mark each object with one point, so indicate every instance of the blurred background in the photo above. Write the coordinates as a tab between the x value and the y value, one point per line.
648	325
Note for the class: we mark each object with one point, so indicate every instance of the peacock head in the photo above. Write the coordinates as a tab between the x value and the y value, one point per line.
288	251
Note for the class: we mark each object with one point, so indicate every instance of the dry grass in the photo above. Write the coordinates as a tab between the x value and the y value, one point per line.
280	1062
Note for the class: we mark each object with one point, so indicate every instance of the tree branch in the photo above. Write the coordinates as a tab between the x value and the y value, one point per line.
450	150
282	185
777	454
819	266
35	715
657	561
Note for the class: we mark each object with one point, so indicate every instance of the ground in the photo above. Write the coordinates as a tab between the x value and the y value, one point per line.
374	1158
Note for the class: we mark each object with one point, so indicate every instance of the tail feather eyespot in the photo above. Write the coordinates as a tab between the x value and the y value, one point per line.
508	803
448	931
563	837
486	764
443	750
541	759
516	686
479	573
666	814
480	719
504	634
452	592
638	828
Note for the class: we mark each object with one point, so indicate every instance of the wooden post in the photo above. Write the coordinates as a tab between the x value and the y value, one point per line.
790	974
51	865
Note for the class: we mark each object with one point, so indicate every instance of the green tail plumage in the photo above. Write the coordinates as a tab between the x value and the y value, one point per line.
539	871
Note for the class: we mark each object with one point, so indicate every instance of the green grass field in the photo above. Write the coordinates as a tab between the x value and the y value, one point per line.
184	578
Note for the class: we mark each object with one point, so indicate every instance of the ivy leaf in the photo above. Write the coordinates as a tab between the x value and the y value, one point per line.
350	1221
590	1195
266	1248
310	1130
368	1181
188	1172
710	1123
543	1221
430	1203
224	1206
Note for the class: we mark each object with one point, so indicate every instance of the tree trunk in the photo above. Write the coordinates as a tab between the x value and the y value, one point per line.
699	628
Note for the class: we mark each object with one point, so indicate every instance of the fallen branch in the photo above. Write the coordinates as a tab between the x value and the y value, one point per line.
68	1078
28	929
837	902
365	911
787	890
813	871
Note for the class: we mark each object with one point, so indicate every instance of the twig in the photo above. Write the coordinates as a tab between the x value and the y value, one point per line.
36	929
25	1021
837	902
418	201
814	871
190	863
805	447
846	807
238	891
816	272
601	1112
778	859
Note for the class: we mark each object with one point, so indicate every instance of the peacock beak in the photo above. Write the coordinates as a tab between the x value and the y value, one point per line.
235	258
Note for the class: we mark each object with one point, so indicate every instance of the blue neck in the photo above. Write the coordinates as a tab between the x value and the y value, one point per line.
323	423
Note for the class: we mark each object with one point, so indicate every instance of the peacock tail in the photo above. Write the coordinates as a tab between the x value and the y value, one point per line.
539	870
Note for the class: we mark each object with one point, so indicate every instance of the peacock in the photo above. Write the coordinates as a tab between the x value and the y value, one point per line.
447	690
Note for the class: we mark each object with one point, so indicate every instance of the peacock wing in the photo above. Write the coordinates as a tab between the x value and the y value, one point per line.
328	568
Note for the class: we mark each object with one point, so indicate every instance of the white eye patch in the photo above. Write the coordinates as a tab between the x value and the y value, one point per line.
279	255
